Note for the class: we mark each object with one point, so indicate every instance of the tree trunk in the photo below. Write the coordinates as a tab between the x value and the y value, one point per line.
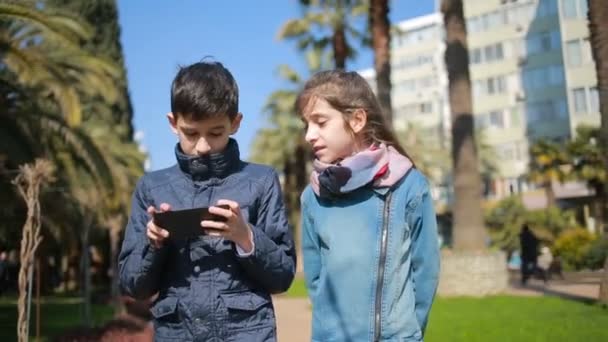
301	180
468	229
381	42
550	194
85	266
340	47
115	224
28	182
598	17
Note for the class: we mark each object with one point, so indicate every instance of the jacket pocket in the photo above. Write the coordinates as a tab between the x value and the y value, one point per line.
168	321
247	310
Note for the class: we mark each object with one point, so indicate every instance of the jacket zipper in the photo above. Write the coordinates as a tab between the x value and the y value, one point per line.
381	266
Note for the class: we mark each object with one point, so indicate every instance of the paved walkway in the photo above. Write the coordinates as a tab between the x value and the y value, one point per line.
293	314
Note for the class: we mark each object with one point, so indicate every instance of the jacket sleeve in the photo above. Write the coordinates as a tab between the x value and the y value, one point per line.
310	250
273	261
425	256
139	263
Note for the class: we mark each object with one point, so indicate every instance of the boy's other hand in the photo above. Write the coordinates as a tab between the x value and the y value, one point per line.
156	234
234	229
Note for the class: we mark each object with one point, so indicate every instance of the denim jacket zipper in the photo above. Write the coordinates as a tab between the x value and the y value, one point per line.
381	267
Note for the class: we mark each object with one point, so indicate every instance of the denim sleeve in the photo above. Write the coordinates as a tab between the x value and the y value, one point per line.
310	250
425	256
273	261
139	264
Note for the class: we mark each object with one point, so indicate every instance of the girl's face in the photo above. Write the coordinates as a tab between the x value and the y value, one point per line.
328	134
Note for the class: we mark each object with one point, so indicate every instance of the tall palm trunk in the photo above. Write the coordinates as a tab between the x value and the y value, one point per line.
340	47
598	17
381	42
468	229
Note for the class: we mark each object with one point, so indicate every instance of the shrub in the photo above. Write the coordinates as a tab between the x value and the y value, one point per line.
573	247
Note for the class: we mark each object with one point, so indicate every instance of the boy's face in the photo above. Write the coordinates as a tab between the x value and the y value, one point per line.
200	137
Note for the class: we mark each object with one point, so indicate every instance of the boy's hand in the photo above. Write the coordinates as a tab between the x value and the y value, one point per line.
234	229
156	234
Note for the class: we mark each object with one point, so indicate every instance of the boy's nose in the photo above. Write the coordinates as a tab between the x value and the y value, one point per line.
202	147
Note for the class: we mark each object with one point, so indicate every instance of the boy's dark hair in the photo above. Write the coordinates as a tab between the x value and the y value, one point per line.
204	90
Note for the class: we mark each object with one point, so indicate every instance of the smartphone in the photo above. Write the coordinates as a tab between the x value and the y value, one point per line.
185	224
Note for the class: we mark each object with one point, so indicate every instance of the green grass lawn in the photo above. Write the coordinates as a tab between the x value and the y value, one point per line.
57	315
509	319
499	318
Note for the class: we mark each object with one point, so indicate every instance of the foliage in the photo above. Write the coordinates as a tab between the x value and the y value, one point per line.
573	247
506	219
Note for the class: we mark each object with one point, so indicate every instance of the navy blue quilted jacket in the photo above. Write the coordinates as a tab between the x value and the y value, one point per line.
207	292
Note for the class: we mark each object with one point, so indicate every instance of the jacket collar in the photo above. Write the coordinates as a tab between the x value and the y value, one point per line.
214	165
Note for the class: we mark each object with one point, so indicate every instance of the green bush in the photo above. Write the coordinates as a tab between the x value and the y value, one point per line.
505	221
598	252
573	247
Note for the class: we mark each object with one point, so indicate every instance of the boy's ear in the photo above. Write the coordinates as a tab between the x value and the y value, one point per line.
172	122
358	120
236	123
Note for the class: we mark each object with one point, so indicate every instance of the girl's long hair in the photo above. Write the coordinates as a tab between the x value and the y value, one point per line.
348	92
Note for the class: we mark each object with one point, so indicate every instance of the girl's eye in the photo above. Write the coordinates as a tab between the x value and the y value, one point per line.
215	135
190	135
322	123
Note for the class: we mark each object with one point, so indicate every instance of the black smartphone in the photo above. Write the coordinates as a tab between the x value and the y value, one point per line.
184	224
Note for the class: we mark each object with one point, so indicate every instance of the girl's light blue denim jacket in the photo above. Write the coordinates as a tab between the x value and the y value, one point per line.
371	261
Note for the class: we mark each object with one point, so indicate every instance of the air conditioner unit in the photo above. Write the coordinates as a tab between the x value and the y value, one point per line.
520	96
522	61
519	28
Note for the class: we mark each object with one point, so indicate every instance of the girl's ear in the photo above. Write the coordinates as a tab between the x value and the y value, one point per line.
358	120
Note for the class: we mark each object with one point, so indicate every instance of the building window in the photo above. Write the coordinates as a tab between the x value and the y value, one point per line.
473	24
515	117
496	119
547	8
573	53
569	9
476	56
490	86
542	42
487	54
594	100
546	111
574	9
536	78
556	75
580	100
426	107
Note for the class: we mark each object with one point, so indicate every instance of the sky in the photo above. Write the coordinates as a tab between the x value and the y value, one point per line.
158	36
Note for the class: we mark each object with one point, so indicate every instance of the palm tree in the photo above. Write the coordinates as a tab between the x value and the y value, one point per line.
282	144
547	165
598	17
381	42
586	164
42	49
110	121
468	227
50	82
327	25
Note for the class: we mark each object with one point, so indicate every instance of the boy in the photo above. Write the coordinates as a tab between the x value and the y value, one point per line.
216	287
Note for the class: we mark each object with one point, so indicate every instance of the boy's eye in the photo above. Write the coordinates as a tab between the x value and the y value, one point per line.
190	134
216	135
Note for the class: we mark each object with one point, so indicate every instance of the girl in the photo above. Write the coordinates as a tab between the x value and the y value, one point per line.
369	232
